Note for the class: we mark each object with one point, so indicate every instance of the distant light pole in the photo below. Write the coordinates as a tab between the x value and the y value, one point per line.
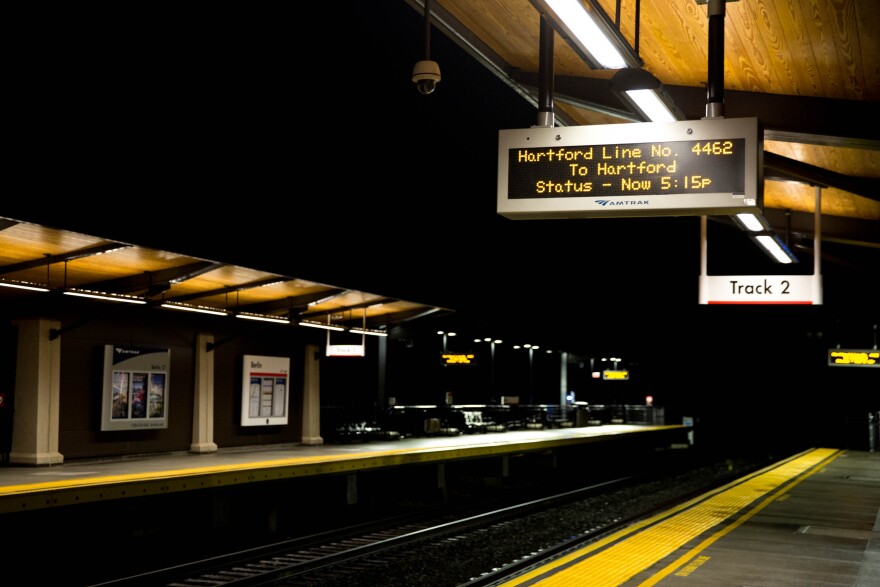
492	342
444	334
446	392
532	348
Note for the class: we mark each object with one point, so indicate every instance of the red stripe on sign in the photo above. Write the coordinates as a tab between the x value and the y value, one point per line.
719	303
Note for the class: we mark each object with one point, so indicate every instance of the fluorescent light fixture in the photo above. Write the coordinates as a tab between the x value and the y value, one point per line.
773	246
368	331
759	231
590	33
262	318
23	285
644	93
752	222
319	325
198	309
99	295
650	104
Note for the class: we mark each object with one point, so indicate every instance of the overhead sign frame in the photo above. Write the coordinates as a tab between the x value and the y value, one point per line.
685	168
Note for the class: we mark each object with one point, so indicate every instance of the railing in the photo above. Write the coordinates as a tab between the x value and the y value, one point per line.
352	424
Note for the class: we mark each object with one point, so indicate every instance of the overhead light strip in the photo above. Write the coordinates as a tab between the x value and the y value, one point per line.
752	222
589	33
261	318
773	246
319	325
759	231
368	331
600	44
652	105
198	309
23	285
107	297
645	95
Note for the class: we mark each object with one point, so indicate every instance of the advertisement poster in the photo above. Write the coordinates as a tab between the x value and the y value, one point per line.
135	391
264	400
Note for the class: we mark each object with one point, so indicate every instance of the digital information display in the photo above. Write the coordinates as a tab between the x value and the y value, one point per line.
854	358
615	375
459	359
694	167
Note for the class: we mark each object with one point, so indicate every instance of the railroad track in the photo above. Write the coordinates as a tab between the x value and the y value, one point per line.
454	548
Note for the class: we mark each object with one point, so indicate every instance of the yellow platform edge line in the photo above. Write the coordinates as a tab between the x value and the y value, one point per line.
373	459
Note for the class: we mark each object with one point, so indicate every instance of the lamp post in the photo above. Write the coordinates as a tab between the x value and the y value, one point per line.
531	372
448	394
492	342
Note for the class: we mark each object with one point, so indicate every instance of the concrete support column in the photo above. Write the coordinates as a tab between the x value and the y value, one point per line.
37	394
311	403
203	397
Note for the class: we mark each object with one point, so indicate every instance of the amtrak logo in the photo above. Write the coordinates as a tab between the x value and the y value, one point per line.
622	202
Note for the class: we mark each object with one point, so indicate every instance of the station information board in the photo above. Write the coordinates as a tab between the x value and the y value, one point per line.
459	358
615	375
854	358
686	168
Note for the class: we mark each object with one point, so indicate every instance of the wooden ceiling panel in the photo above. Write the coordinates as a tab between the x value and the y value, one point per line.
672	39
24	242
797	196
848	161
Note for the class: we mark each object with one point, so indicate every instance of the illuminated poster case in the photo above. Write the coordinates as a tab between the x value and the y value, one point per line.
265	385
135	394
688	168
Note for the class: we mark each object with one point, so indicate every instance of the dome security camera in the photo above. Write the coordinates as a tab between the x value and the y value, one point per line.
426	76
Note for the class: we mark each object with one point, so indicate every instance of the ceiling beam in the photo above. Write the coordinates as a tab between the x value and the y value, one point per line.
373	302
288	303
836	229
802	119
805	119
780	167
226	289
155	281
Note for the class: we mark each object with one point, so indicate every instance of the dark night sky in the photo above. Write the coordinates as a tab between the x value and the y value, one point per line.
293	141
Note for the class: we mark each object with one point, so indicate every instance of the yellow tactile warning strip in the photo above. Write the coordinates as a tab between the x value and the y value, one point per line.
622	555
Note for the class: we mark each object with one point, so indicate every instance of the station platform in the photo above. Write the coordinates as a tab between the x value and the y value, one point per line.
813	519
29	488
